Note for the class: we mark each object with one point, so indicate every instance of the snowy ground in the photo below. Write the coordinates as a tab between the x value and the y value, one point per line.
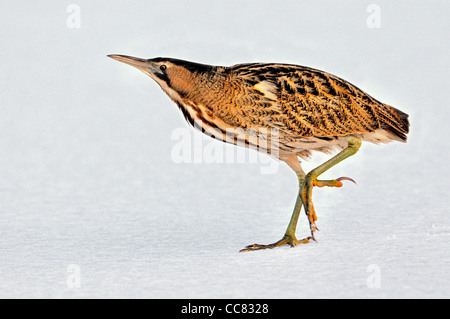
93	205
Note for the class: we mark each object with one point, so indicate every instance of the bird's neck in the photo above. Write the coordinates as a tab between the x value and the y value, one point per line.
196	88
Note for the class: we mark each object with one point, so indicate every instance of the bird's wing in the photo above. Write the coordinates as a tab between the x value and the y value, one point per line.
310	102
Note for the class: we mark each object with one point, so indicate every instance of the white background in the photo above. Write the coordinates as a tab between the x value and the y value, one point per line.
87	177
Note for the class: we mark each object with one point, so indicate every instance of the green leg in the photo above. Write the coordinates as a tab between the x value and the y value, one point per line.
310	181
289	237
306	183
290	231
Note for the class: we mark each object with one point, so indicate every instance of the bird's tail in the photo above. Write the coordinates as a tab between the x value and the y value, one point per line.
394	121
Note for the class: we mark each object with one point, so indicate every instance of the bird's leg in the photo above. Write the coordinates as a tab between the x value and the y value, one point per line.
290	231
304	198
311	180
289	237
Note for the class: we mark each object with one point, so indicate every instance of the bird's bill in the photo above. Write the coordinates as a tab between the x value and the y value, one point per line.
145	66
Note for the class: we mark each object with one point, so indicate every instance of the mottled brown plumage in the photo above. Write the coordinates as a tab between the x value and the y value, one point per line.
281	109
311	109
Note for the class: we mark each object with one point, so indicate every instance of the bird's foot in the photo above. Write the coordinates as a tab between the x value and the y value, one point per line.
306	193
286	240
332	183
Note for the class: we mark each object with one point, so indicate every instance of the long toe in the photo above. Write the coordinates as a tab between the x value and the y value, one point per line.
291	241
333	183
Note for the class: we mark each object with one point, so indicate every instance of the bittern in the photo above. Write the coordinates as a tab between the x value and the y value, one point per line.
284	110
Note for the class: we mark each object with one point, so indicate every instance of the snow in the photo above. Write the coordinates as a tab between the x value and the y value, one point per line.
93	206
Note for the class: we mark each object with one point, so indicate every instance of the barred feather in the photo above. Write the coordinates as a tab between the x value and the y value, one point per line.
308	109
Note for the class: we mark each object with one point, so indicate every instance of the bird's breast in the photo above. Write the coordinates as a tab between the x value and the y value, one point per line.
204	119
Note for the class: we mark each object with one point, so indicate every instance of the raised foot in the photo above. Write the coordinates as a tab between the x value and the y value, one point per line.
332	183
286	240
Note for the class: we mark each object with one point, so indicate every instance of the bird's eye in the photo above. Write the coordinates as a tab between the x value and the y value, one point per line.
163	67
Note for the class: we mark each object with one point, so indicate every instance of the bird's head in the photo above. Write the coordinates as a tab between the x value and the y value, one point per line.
173	75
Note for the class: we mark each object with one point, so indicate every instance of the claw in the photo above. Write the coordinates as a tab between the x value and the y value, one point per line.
346	179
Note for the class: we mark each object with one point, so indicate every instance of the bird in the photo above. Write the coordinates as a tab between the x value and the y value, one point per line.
284	110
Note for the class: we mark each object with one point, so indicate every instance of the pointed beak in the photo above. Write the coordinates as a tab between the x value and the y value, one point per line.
145	66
